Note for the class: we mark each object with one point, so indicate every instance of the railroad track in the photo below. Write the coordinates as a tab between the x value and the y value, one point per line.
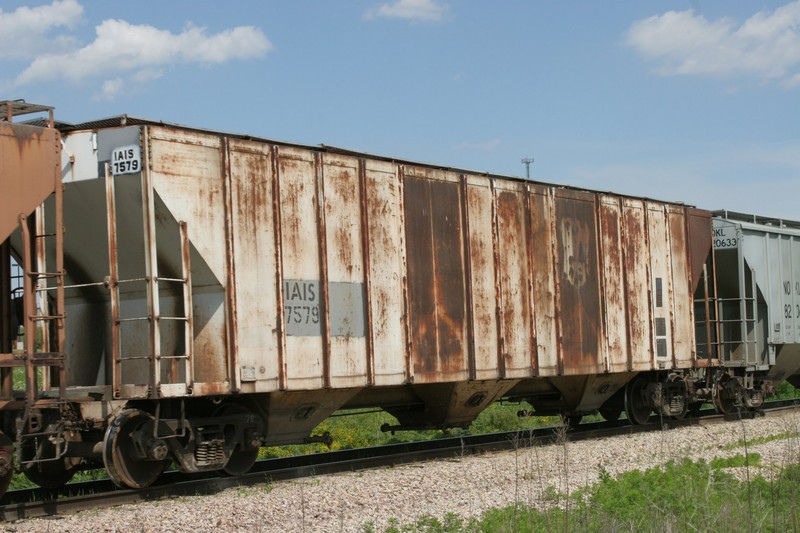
29	503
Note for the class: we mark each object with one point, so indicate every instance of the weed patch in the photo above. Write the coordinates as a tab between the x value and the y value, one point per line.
678	496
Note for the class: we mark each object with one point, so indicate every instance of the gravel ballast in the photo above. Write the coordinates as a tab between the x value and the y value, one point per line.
466	485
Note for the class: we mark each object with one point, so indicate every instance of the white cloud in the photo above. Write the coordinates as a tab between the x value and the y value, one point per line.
24	31
121	47
415	10
766	46
127	84
110	89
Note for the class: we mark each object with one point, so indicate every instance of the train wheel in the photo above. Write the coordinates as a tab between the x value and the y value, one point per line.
636	408
132	458
241	461
47	474
724	402
6	462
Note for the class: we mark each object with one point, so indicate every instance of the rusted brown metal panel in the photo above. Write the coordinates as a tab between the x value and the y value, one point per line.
614	304
468	304
280	310
542	271
682	295
364	229
660	284
344	272
185	169
254	249
582	335
30	164
514	274
436	279
347	272
422	310
231	316
324	305
301	270
699	243
482	276
113	283
450	278
637	282
386	272
533	348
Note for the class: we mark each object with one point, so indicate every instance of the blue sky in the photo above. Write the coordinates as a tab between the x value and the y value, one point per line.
688	100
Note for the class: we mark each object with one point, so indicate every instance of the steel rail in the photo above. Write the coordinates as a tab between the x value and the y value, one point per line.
30	503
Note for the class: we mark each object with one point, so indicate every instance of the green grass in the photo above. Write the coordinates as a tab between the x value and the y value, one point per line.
361	429
785	390
679	496
761	440
737	461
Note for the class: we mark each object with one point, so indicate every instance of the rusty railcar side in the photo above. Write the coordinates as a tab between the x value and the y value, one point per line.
355	277
486	278
331	270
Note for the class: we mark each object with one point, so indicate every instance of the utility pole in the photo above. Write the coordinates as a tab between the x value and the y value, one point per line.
527	162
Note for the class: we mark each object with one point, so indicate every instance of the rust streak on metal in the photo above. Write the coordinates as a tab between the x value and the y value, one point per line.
113	281
187	303
449	282
700	230
531	303
421	260
691	280
649	291
230	268
364	206
323	269
709	352
276	217
501	362
601	287
465	237
625	281
399	173
577	246
670	300
60	347
31	171
556	281
210	389
151	273
435	274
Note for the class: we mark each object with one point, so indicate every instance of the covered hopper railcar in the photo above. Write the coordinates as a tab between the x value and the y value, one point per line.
187	295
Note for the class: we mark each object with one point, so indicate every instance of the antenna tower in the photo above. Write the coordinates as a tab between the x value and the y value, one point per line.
527	162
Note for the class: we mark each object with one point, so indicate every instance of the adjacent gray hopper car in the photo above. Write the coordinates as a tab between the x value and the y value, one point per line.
188	296
759	293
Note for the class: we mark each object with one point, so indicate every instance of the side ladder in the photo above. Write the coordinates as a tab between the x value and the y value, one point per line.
169	374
